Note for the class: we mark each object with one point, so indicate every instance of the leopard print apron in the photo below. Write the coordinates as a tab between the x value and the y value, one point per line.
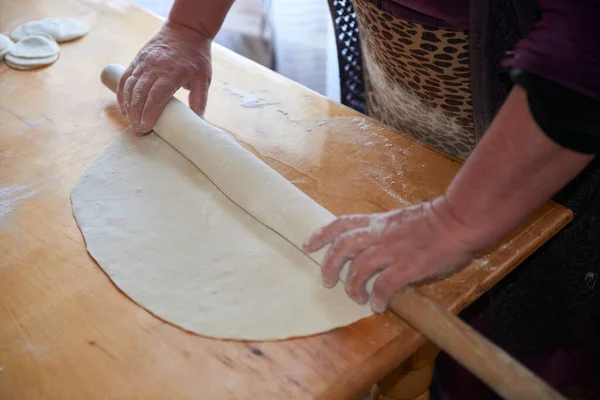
417	79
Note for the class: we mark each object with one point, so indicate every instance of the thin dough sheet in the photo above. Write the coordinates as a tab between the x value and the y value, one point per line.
177	246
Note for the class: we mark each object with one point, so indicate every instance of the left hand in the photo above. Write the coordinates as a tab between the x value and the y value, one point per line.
177	56
406	246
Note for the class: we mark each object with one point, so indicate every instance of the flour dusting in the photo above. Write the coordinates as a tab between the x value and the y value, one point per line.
11	195
249	100
362	123
27	125
482	264
378	225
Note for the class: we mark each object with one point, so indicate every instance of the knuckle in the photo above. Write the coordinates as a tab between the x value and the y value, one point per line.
138	70
355	239
337	245
337	224
331	259
335	266
359	271
380	288
343	242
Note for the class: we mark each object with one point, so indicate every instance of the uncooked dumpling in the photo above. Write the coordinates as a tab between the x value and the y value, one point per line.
35	46
32	52
29	63
61	29
5	45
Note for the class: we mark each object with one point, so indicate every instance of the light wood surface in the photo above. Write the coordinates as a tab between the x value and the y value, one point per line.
411	379
67	333
488	362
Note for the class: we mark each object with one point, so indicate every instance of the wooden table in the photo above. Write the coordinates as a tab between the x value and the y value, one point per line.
67	333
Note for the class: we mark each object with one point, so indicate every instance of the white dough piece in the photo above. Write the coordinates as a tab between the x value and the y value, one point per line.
35	46
5	42
5	45
61	29
29	63
209	242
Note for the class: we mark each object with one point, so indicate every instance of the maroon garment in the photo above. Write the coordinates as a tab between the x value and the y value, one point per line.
561	368
448	14
564	46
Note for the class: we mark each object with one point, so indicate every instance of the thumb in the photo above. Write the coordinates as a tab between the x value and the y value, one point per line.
198	95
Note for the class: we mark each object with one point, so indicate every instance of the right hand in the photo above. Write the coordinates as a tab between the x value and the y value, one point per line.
404	246
177	56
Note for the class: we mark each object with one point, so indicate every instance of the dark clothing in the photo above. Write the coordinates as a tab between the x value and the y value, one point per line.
557	56
568	370
565	115
551	299
545	313
564	46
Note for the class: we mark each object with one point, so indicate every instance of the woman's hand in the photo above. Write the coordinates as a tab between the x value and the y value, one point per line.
177	56
514	169
405	246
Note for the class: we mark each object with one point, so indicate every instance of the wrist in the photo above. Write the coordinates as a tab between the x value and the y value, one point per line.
203	16
472	238
185	31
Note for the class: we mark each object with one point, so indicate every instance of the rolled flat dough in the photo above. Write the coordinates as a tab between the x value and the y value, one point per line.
35	46
29	63
5	45
61	29
209	242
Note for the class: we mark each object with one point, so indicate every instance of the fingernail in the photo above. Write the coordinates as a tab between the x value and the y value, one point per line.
306	246
329	284
377	306
362	300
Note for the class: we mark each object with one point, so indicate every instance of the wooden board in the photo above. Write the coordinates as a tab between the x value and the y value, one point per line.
67	333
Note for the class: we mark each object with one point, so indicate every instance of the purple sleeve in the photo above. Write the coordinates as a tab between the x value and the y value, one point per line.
564	46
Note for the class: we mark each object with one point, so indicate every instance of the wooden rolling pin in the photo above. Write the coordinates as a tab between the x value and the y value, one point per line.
501	372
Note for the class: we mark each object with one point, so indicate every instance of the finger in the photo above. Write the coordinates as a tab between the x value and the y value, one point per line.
344	248
138	98
365	265
161	93
198	96
390	281
121	86
127	89
328	233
